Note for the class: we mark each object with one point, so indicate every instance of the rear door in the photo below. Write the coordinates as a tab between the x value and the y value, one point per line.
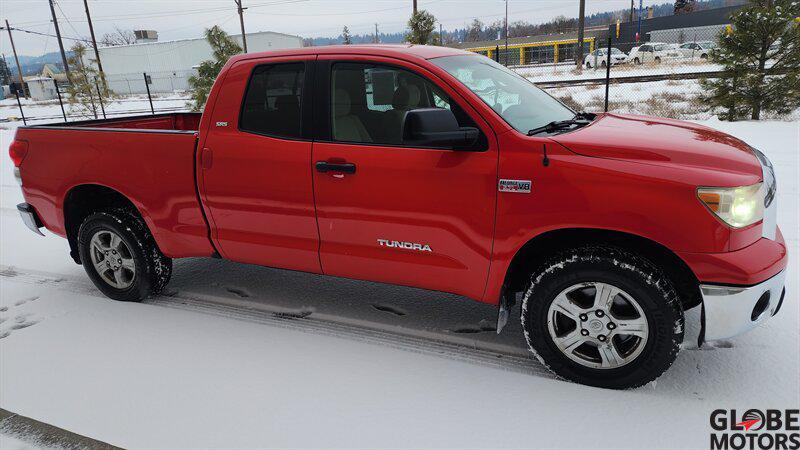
256	165
393	213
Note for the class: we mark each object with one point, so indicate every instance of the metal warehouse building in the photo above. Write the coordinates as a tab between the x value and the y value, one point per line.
169	64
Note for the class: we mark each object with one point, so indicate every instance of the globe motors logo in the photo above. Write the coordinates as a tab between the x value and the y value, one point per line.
769	429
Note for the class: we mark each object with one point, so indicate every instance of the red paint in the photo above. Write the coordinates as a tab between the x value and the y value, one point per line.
261	201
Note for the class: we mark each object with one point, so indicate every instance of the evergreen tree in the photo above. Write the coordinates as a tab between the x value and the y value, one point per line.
5	73
346	38
684	6
86	84
421	26
222	48
761	52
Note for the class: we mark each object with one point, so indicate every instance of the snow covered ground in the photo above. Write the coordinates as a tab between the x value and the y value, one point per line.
243	356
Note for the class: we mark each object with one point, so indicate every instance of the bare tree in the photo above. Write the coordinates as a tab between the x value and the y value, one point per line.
118	37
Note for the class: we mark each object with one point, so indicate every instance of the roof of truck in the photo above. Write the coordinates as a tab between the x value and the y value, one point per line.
397	50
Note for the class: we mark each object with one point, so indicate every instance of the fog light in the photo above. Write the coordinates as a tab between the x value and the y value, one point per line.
761	306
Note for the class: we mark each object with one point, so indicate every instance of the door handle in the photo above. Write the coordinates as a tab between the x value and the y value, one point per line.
324	167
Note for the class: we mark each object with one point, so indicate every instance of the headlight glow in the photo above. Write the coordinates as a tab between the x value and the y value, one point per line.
737	206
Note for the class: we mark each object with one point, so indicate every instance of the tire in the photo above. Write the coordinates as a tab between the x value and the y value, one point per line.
637	61
645	293
603	64
704	56
139	268
588	65
657	60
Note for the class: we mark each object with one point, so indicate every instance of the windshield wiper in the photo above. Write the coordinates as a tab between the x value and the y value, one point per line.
580	119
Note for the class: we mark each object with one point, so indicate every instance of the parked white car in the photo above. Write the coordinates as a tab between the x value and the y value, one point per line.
652	52
599	58
696	50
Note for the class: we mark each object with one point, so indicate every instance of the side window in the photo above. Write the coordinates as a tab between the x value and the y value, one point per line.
272	102
369	102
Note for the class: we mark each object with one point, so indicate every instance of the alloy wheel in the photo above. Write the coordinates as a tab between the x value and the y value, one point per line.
597	325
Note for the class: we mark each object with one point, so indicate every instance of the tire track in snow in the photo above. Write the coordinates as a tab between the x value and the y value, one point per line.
303	321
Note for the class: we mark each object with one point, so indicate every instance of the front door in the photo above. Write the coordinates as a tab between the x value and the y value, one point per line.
256	165
389	212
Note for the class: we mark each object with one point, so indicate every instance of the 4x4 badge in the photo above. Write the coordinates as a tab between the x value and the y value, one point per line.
519	186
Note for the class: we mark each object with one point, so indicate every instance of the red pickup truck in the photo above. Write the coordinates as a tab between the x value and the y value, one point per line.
435	168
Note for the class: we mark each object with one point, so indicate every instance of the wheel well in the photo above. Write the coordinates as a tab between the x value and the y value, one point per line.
537	250
85	200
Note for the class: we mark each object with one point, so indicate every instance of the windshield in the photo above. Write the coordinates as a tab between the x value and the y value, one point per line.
520	103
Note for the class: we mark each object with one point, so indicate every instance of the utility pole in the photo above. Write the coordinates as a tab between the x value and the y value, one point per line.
241	23
60	43
377	40
639	25
633	8
581	27
16	58
506	27
441	36
415	6
94	41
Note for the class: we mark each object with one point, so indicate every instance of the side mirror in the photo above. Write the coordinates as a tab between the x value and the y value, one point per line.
437	127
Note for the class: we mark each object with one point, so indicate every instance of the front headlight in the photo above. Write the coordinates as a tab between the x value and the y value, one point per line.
737	206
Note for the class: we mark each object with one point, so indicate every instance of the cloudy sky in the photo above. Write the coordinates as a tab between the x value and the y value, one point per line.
179	19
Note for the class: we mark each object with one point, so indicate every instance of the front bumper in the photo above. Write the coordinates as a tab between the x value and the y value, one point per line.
29	218
732	310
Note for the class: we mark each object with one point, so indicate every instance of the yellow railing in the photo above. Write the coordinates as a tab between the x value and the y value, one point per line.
490	50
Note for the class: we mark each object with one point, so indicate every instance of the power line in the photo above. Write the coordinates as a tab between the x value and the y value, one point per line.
46	34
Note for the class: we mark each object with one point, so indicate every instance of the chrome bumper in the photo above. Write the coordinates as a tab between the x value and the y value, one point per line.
730	310
29	218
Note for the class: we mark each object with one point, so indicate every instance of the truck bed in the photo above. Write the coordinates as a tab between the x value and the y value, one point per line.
185	122
150	160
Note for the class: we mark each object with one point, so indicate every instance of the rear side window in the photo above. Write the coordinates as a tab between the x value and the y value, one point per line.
273	101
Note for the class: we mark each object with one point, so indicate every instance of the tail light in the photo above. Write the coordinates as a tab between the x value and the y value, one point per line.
17	151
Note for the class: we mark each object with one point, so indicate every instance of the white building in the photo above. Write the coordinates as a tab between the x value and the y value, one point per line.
170	63
42	88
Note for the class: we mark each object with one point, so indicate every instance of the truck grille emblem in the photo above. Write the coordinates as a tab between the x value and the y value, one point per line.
405	245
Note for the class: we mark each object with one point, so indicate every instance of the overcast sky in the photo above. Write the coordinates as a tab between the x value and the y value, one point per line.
180	19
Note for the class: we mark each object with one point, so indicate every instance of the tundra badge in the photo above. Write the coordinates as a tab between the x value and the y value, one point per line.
519	186
405	245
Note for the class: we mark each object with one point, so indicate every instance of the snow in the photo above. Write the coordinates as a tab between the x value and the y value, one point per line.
243	356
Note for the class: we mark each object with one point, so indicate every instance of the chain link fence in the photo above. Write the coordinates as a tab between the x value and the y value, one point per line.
658	78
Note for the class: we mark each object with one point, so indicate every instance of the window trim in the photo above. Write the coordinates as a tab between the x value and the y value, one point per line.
323	116
306	102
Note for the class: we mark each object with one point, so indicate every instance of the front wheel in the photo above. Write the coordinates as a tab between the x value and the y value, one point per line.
121	257
604	317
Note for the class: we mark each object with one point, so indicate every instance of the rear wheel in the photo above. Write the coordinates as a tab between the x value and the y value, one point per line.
603	64
603	317
637	61
121	257
657	60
